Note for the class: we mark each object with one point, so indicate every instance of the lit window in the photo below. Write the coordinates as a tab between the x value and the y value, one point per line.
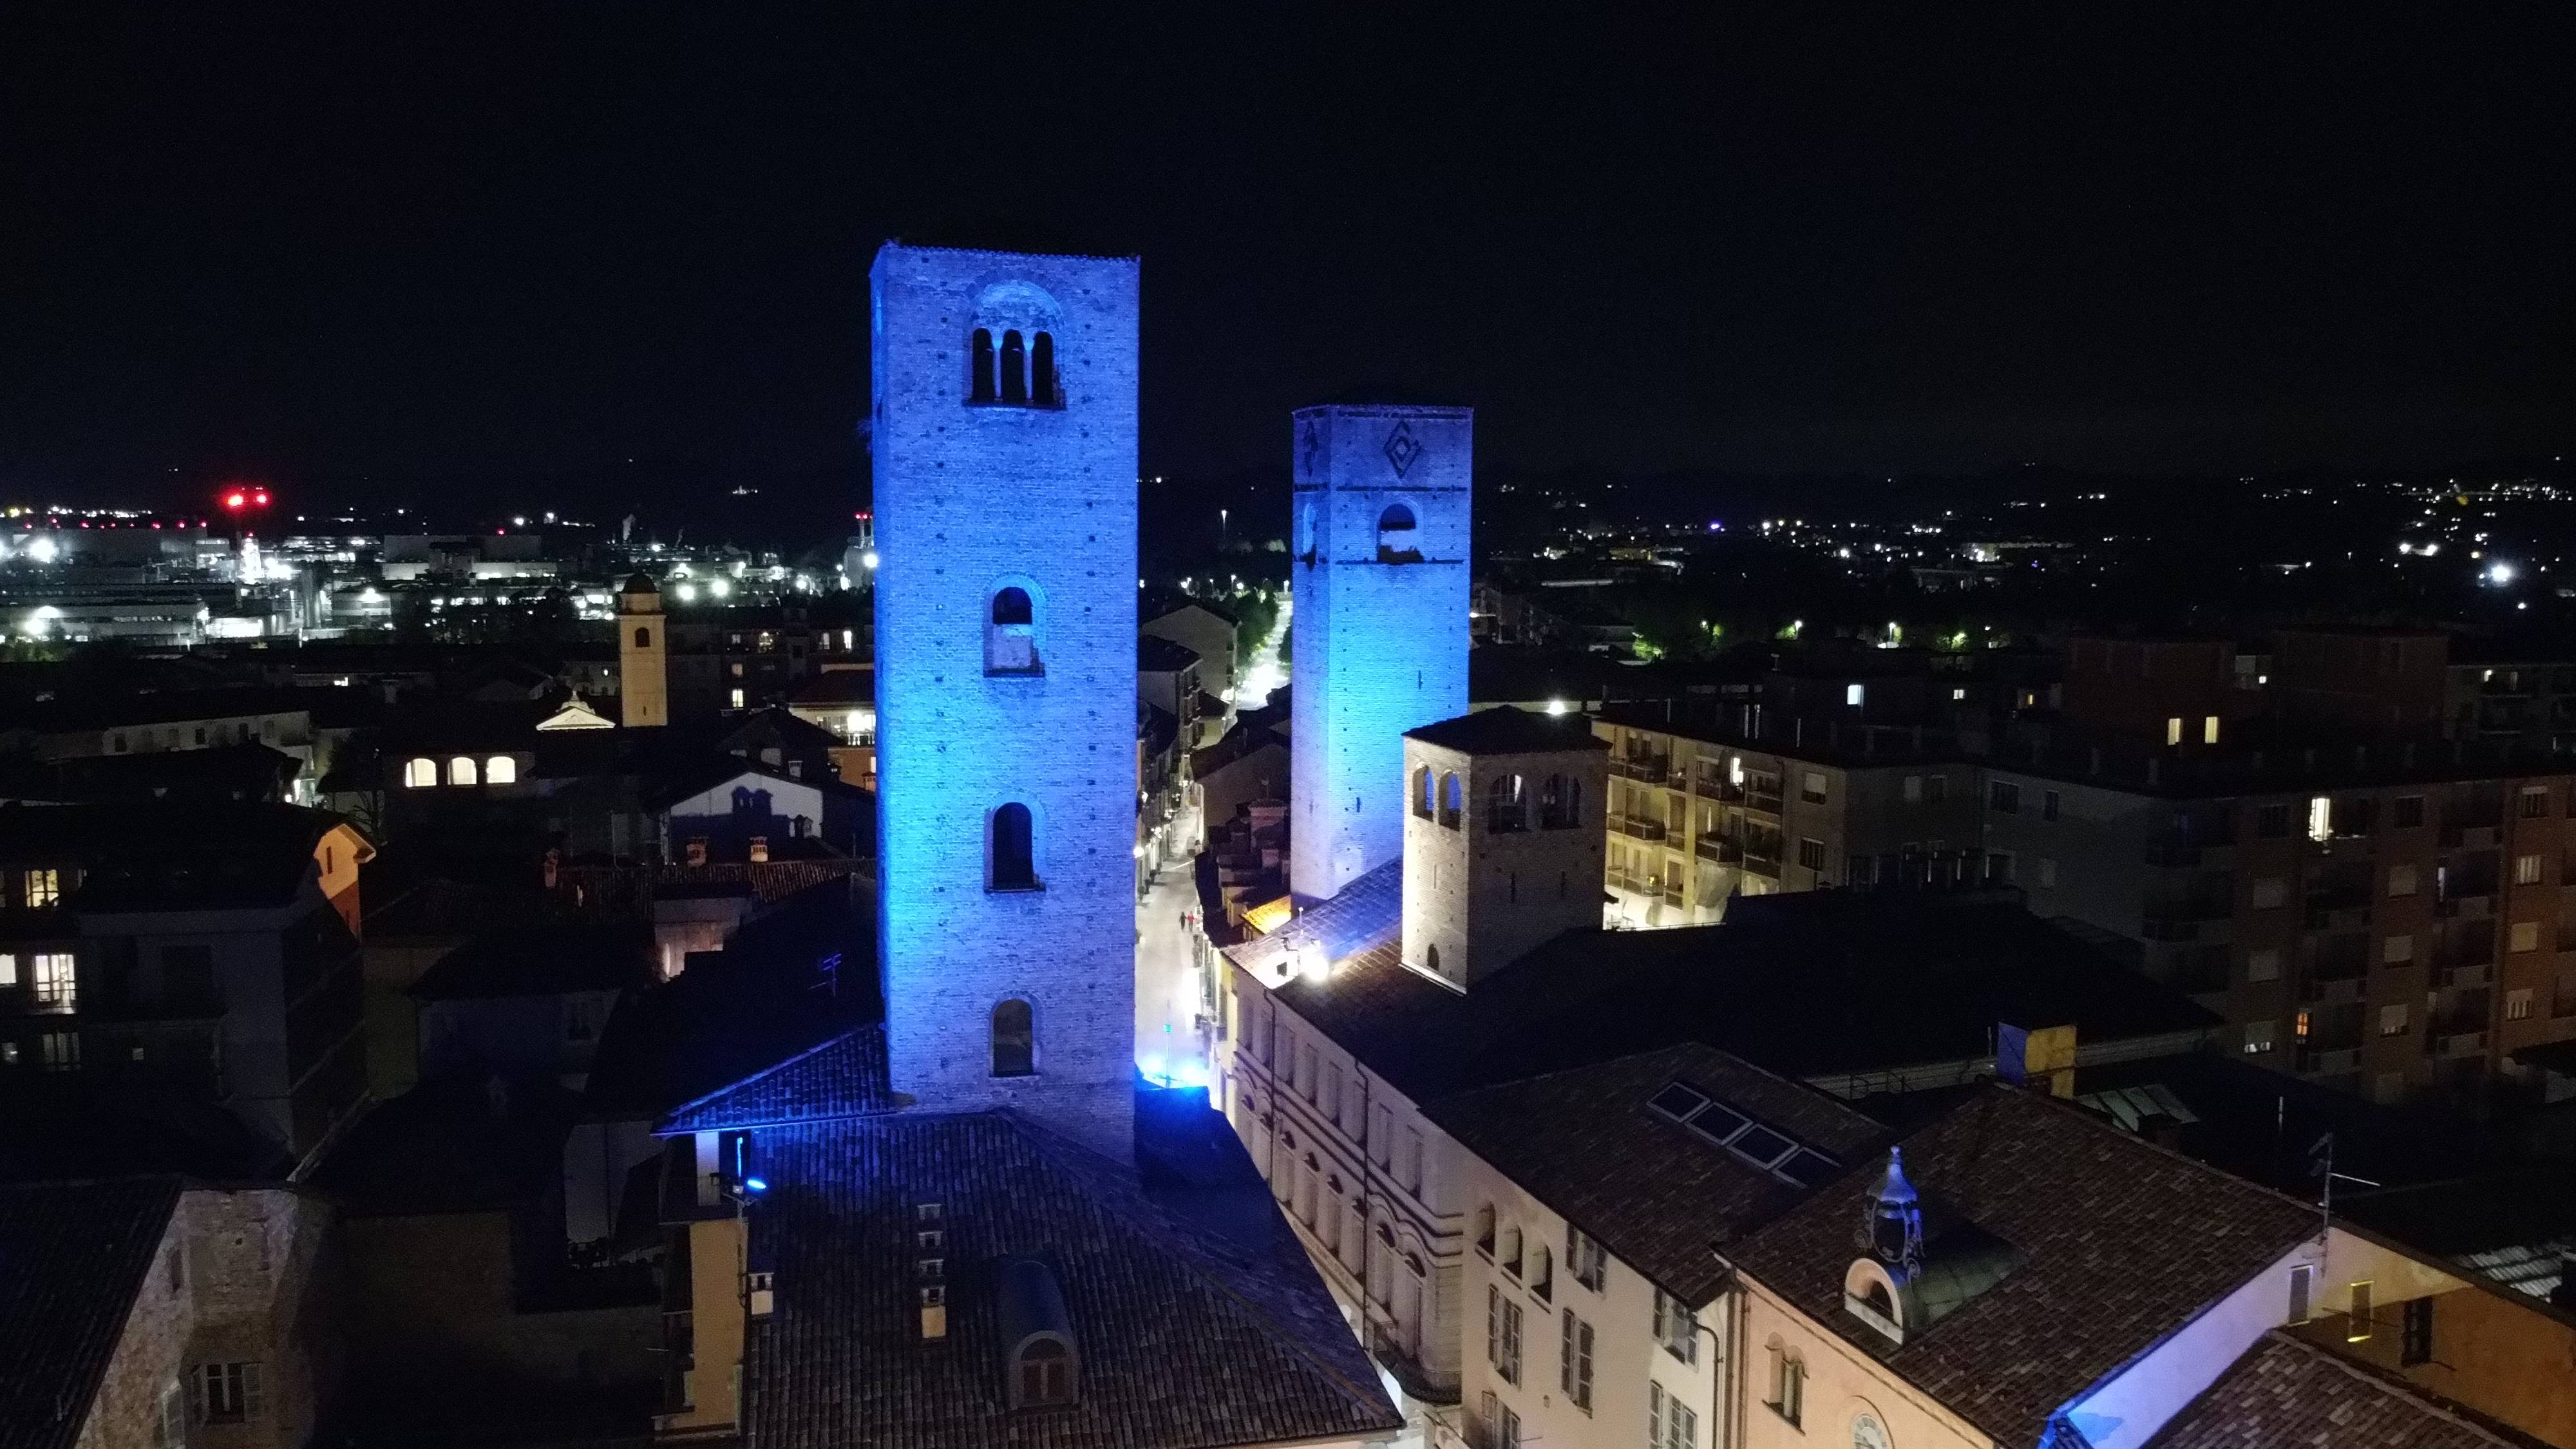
2525	936
2526	870
2209	729
1852	695
461	770
2320	818
42	888
2173	729
8	970
56	981
420	774
2517	1004
500	770
737	698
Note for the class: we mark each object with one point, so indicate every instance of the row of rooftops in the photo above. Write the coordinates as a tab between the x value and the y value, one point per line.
1659	1090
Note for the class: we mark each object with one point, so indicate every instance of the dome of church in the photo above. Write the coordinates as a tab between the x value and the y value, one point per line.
641	583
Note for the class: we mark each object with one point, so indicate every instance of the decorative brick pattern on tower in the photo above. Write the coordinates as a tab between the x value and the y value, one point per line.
1005	469
1380	618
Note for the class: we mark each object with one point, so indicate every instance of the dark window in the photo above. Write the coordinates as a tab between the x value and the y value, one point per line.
1042	370
2415	1343
1011	640
2409	812
1046	1372
2004	796
1560	803
1015	1041
1015	369
643	638
2273	821
1506	806
1014	849
1395	537
2048	805
979	376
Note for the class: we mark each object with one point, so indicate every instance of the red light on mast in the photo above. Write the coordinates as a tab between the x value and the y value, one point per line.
236	500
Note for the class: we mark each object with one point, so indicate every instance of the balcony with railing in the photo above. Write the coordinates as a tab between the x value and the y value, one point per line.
1717	848
1644	769
1638	827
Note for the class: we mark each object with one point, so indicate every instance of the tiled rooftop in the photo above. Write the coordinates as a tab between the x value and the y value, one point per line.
1509	730
2284	1394
1368	912
1190	1332
1657	1195
2118	1243
72	1259
844	1077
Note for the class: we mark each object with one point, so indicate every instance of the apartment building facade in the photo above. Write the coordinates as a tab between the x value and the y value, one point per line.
2386	921
1699	813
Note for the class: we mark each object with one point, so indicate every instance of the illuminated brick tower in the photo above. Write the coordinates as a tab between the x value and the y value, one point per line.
1004	434
643	656
1381	522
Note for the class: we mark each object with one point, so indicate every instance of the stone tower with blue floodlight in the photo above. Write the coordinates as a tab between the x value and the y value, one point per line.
1380	527
1004	438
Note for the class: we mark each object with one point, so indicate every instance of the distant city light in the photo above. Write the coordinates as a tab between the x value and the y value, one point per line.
1558	706
688	593
719	587
2500	573
868	560
43	550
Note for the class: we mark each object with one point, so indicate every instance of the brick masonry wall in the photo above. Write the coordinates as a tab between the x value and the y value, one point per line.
969	498
150	1355
1485	900
1380	648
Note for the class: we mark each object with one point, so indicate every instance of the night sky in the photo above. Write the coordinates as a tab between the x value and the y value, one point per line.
458	248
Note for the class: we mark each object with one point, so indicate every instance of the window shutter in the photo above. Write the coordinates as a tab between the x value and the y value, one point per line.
1565	1358
1660	1335
2301	1277
200	1387
1493	1326
250	1392
1654	1415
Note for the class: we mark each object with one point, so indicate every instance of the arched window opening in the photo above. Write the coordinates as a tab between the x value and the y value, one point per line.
1453	800
1011	637
421	773
1485	1229
1042	388
1506	806
1793	1389
1015	368
1879	1301
1396	542
460	771
643	638
1306	533
1046	1374
979	376
1014	850
1431	959
1560	803
1423	803
500	770
1015	1039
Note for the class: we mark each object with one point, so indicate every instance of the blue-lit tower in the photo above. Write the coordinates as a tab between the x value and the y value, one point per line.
1004	436
1380	528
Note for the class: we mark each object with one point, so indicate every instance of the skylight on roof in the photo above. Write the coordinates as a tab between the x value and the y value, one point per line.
1764	1146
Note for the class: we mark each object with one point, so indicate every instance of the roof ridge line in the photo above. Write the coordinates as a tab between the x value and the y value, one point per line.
767	1071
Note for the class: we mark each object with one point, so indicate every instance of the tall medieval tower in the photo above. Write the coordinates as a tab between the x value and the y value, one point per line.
1381	521
1004	433
643	656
